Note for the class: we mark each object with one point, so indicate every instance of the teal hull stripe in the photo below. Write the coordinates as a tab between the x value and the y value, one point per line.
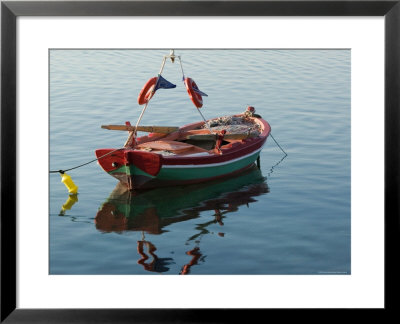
213	165
197	172
191	172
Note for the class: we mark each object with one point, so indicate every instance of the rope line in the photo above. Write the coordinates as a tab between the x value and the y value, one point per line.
277	144
81	165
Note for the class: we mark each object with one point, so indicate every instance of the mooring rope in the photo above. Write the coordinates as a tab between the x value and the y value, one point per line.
81	165
278	144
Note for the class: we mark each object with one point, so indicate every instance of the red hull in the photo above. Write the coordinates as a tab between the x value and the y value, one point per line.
120	163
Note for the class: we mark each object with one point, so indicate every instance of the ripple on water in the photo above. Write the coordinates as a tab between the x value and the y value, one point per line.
301	225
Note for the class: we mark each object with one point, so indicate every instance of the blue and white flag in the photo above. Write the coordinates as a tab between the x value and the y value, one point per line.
163	84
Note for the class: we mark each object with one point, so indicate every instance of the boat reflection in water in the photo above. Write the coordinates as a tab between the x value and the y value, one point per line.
150	211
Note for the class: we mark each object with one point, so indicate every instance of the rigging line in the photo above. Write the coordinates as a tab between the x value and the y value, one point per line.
277	144
180	62
205	121
183	79
81	165
140	118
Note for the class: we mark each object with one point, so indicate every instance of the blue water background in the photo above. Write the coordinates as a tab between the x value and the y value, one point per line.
294	217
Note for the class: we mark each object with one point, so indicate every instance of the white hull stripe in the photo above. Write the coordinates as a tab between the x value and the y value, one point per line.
181	166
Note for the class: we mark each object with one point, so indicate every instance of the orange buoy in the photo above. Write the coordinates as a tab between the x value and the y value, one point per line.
192	90
147	91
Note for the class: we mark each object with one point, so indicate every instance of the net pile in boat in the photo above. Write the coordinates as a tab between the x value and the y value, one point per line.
233	125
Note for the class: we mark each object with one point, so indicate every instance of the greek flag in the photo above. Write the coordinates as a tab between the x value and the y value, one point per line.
163	84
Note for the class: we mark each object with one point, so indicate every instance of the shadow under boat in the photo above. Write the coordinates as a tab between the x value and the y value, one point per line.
152	210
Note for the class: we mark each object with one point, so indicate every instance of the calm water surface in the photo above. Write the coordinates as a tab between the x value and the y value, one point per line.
290	217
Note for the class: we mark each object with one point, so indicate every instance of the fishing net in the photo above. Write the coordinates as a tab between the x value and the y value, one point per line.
233	125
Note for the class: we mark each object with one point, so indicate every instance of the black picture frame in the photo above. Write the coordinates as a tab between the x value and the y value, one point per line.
10	10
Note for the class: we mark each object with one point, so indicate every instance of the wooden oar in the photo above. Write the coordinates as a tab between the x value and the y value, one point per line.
210	137
150	129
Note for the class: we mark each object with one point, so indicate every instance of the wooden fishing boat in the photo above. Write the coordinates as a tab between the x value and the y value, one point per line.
197	152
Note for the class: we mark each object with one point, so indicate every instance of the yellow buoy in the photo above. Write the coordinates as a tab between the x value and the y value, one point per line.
66	179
